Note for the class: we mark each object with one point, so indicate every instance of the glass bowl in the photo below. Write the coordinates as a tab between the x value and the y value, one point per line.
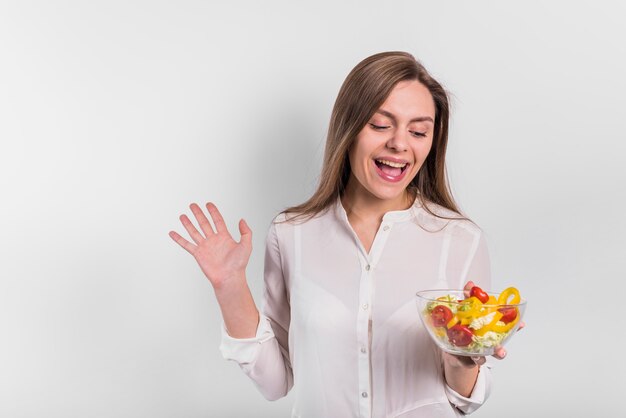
468	327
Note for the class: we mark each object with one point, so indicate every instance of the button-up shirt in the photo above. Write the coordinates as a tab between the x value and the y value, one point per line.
340	326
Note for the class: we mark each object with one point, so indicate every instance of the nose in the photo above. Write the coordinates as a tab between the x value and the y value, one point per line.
399	140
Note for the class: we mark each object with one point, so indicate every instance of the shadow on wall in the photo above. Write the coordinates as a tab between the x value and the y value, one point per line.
286	159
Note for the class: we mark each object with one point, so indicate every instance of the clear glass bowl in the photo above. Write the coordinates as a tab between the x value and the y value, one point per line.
462	334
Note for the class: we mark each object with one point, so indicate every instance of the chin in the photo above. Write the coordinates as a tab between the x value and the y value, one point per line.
389	195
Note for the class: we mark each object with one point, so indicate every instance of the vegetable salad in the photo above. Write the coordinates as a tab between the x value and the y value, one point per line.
477	323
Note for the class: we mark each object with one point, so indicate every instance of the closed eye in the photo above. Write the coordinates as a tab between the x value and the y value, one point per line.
378	127
382	128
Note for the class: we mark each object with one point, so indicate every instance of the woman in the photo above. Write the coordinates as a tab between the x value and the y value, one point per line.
339	323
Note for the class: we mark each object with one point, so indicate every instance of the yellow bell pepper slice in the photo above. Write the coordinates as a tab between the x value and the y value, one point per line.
506	327
470	307
506	294
491	305
452	322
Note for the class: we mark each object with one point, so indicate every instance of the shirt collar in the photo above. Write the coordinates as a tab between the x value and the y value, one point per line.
389	217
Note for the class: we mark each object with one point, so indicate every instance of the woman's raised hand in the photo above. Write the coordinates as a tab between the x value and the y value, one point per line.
220	257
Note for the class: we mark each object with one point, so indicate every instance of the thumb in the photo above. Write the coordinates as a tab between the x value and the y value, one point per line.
468	288
245	231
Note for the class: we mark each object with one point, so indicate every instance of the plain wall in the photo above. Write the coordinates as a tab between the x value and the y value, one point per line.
116	115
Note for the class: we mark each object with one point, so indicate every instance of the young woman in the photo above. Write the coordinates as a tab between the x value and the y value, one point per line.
339	324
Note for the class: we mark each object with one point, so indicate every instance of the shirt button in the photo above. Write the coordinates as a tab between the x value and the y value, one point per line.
364	394
365	306
363	350
367	267
386	228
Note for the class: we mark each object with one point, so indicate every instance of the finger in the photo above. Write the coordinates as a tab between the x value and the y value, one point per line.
193	232
467	288
218	220
522	324
183	242
246	232
499	352
204	223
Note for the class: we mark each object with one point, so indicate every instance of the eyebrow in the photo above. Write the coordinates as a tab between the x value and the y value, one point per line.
418	119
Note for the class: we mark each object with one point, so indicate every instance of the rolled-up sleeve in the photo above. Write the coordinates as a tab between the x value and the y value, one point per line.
265	357
245	350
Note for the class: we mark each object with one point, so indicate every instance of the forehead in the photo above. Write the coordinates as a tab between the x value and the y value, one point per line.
410	99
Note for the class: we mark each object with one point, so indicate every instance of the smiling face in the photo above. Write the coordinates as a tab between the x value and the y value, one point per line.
389	151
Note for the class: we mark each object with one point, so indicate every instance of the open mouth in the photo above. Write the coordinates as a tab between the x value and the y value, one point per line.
391	168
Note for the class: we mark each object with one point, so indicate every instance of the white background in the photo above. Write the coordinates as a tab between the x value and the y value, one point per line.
116	115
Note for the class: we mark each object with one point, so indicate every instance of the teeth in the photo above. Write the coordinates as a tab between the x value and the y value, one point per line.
392	164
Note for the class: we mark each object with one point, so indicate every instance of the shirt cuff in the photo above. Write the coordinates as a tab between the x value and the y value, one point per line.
479	394
245	350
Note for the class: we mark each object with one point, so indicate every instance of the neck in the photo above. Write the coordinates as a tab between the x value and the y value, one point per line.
363	206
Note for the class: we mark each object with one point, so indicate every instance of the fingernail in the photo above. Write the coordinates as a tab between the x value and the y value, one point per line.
503	353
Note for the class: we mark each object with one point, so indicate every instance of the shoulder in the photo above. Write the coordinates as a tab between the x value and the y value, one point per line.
289	220
434	217
284	224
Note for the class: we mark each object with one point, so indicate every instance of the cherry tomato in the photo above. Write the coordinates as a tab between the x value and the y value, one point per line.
460	335
441	315
480	294
508	314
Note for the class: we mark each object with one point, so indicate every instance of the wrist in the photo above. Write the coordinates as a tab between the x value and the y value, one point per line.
461	377
235	282
240	314
452	361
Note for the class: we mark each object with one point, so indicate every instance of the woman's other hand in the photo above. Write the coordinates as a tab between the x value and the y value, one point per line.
461	372
220	257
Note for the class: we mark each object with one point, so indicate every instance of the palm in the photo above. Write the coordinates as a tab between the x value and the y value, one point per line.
219	256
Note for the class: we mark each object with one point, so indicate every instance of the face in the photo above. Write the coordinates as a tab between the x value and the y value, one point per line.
393	145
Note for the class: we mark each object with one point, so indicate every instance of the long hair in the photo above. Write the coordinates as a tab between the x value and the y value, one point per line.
364	90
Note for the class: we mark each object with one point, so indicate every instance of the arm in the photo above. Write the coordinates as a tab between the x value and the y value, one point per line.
264	357
247	336
468	384
223	261
237	306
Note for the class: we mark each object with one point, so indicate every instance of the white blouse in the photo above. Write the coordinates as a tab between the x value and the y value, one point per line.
341	326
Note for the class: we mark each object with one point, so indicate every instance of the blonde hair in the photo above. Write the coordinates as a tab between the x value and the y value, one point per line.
364	90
